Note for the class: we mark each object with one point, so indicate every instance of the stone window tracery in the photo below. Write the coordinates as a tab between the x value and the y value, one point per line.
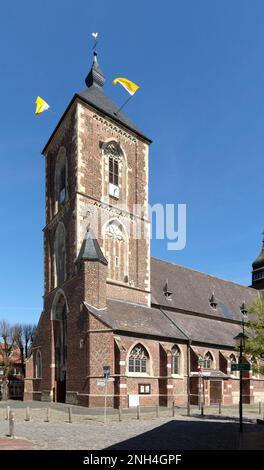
208	360
138	359
175	360
115	249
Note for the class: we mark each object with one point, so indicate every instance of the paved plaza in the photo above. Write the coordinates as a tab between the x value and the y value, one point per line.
88	430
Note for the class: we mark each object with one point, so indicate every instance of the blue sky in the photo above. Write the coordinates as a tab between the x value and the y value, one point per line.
200	67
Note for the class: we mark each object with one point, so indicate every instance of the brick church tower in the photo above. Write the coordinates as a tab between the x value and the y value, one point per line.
96	242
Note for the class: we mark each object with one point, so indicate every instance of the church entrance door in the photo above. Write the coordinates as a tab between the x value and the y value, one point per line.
61	391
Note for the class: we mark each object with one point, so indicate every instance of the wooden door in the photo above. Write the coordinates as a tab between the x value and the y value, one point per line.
215	391
61	391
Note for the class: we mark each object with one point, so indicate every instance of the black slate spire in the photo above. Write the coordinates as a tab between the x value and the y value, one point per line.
90	249
258	269
95	77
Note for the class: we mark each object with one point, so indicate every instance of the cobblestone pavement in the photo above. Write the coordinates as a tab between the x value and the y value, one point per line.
89	432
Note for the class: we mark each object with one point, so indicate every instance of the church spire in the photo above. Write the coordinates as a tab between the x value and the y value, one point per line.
95	77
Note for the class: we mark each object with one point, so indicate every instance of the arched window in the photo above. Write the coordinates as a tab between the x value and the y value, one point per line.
61	178
175	360
37	365
60	254
115	249
115	171
208	360
233	360
138	359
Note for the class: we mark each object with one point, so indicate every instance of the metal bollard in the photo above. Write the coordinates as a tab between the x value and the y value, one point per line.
157	411
7	413
260	407
12	424
120	413
27	414
47	415
138	412
173	409
219	407
70	414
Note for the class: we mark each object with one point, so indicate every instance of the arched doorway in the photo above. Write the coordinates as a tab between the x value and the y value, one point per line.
59	319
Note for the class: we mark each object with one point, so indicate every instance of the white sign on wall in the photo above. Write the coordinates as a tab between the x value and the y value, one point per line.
133	400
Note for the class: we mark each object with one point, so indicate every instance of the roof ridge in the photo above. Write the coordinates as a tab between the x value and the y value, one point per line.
202	273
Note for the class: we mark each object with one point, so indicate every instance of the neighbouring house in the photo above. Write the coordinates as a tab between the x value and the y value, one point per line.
11	375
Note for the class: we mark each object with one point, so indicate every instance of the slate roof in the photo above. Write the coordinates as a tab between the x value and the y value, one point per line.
191	291
205	330
90	249
133	318
259	261
137	319
94	96
188	315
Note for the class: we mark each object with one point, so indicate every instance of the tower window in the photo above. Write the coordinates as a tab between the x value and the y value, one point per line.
116	247
62	185
60	179
113	170
60	254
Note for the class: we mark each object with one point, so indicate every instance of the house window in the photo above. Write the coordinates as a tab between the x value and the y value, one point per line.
208	361
138	359
175	360
38	365
113	170
144	389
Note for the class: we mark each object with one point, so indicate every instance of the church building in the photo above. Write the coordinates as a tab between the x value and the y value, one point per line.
164	332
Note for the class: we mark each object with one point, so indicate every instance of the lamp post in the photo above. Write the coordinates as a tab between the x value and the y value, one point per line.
200	368
240	338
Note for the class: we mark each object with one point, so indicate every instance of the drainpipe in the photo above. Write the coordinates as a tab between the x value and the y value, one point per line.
189	342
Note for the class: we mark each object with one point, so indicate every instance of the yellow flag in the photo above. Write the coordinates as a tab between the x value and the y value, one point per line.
127	84
41	105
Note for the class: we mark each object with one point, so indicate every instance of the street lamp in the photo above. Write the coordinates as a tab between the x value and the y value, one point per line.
243	310
200	368
240	338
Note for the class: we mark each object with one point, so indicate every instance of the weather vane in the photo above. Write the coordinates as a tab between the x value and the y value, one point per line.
95	36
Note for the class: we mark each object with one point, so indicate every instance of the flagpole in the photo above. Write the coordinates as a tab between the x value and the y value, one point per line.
123	105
